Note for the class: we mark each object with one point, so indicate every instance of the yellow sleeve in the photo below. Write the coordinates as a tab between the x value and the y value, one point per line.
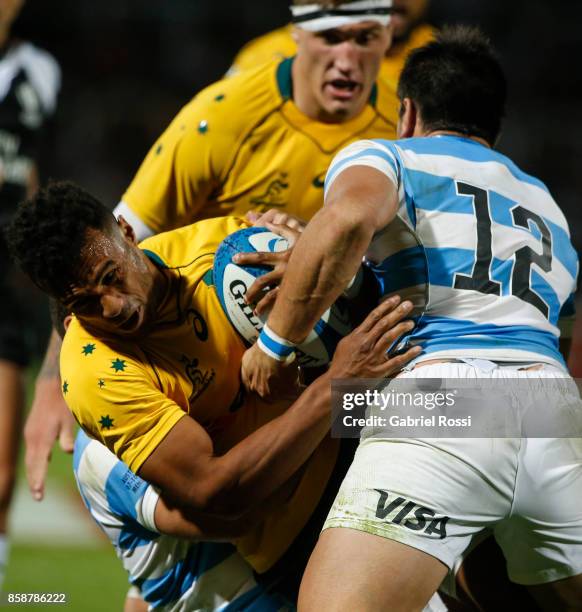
115	398
185	165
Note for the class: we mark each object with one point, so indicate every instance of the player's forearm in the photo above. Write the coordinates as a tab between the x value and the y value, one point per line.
253	469
50	365
183	522
322	264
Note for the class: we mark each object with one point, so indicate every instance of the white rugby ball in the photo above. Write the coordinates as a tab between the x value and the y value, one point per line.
232	282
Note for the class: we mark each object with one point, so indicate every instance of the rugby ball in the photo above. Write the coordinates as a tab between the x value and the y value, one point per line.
232	282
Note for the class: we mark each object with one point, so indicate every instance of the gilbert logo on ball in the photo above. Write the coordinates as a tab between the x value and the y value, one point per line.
232	282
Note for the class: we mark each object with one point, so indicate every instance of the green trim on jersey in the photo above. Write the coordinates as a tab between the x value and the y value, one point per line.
155	258
284	78
208	278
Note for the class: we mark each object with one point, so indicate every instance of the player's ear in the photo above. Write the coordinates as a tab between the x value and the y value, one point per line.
126	229
408	119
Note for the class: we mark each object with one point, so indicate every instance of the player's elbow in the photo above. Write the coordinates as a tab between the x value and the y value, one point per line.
349	225
218	497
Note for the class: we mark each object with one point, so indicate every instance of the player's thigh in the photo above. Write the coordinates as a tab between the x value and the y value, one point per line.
11	406
565	594
542	538
13	359
355	570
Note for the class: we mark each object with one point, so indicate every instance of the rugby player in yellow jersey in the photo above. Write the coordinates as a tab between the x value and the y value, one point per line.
260	140
150	368
409	32
265	138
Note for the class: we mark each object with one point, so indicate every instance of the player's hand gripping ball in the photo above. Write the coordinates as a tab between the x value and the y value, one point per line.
232	282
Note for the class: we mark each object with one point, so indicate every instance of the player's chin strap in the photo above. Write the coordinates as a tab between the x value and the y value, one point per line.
276	347
316	18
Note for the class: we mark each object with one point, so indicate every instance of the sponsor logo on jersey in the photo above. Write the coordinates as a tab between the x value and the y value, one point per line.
319	181
199	325
275	194
199	379
400	511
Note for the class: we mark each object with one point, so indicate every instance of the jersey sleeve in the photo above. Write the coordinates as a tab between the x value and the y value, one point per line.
184	167
369	153
113	494
116	400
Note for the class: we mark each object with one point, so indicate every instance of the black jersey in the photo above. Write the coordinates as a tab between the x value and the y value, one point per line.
29	84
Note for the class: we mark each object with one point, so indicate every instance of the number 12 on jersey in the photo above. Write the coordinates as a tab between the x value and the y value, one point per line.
480	278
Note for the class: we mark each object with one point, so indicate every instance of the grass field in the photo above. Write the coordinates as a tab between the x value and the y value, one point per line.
91	578
87	570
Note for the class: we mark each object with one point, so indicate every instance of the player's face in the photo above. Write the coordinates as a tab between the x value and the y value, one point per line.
405	15
115	290
9	10
338	68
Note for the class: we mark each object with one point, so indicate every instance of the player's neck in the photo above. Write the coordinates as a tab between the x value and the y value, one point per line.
458	134
160	284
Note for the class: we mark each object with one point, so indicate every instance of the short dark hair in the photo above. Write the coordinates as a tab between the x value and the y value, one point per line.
47	232
457	83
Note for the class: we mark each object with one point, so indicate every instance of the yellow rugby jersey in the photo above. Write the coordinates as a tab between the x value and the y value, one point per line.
280	44
242	144
393	64
129	394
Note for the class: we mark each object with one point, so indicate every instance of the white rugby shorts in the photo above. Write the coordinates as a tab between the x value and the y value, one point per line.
437	494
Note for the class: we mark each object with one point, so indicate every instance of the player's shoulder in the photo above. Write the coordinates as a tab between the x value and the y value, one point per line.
234	104
276	44
42	69
421	35
89	364
101	378
379	147
182	246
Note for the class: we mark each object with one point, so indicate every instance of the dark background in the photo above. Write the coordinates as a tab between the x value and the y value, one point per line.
129	65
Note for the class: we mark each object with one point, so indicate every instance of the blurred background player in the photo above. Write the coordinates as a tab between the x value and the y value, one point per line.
29	84
262	139
409	31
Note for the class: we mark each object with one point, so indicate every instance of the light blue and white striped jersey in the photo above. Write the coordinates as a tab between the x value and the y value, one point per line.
172	574
481	248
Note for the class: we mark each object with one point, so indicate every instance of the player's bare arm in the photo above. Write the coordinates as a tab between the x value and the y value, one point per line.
185	467
178	521
324	260
49	420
